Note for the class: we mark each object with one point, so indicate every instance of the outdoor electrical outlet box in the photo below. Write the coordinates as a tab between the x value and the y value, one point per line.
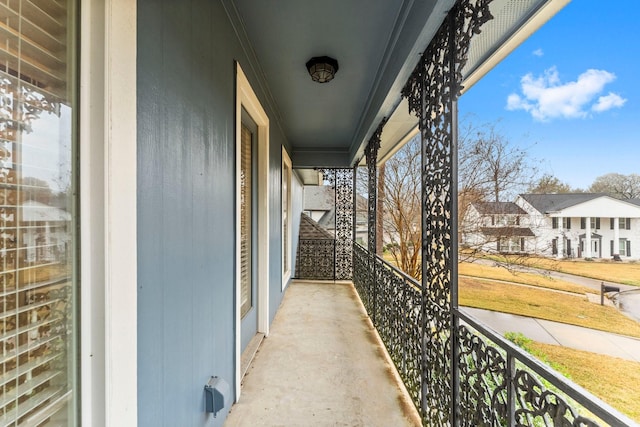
215	392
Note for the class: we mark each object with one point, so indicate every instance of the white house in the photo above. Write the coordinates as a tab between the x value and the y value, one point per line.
497	227
582	225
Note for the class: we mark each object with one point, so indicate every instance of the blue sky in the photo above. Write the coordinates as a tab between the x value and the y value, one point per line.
571	92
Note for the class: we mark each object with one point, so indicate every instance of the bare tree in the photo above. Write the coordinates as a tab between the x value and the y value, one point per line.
618	185
402	207
490	165
549	184
490	168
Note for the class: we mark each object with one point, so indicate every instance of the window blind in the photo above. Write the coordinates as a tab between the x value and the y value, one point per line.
36	223
245	221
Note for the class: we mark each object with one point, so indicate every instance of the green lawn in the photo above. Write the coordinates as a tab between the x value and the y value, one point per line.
611	379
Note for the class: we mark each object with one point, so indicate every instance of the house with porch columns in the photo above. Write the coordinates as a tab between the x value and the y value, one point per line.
582	225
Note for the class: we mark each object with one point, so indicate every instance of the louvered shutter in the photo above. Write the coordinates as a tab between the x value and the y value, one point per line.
598	223
522	244
245	221
568	223
628	223
628	247
37	282
611	221
583	223
554	222
612	248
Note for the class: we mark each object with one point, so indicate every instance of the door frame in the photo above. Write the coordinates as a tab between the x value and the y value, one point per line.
247	99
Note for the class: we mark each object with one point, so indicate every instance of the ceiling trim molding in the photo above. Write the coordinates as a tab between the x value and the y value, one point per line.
254	64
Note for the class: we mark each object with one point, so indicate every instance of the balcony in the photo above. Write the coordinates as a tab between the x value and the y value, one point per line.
324	361
322	364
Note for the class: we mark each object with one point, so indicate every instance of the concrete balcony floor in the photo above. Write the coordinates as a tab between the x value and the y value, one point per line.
322	365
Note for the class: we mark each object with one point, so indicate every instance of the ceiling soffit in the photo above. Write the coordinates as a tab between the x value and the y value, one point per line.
377	44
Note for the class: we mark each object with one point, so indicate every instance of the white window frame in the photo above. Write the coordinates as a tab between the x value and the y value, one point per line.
108	191
622	247
622	223
286	223
247	99
509	243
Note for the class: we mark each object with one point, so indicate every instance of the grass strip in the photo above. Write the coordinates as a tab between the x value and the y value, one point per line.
542	304
627	273
611	379
532	279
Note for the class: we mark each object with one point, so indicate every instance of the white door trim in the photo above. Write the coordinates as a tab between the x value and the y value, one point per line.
247	99
108	190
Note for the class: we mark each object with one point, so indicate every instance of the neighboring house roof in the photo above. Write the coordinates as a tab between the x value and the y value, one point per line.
33	211
546	203
507	231
491	208
309	229
318	198
634	201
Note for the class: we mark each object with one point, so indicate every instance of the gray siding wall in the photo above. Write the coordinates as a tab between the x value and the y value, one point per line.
186	104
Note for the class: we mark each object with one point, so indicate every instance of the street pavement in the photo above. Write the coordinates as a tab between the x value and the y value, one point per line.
556	333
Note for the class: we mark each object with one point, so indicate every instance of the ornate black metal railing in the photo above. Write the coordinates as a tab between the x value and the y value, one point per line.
498	384
316	259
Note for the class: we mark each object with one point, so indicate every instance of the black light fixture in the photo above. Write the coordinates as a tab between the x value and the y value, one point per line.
322	69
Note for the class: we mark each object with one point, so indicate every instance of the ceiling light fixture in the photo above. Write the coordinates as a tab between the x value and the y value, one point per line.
322	69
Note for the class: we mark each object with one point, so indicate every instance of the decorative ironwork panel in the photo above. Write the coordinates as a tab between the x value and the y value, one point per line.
315	259
499	383
371	153
483	374
362	276
399	321
432	91
536	405
345	212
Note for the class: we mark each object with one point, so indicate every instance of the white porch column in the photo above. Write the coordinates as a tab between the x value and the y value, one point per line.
616	236
587	240
560	254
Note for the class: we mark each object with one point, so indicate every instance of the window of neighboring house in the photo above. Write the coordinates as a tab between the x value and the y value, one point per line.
624	247
566	223
624	223
511	244
286	217
38	150
554	222
594	223
507	220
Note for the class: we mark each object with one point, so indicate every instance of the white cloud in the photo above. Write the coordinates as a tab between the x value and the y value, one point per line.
608	102
538	52
546	97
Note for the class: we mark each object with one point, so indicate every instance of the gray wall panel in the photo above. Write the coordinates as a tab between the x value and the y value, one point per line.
186	53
